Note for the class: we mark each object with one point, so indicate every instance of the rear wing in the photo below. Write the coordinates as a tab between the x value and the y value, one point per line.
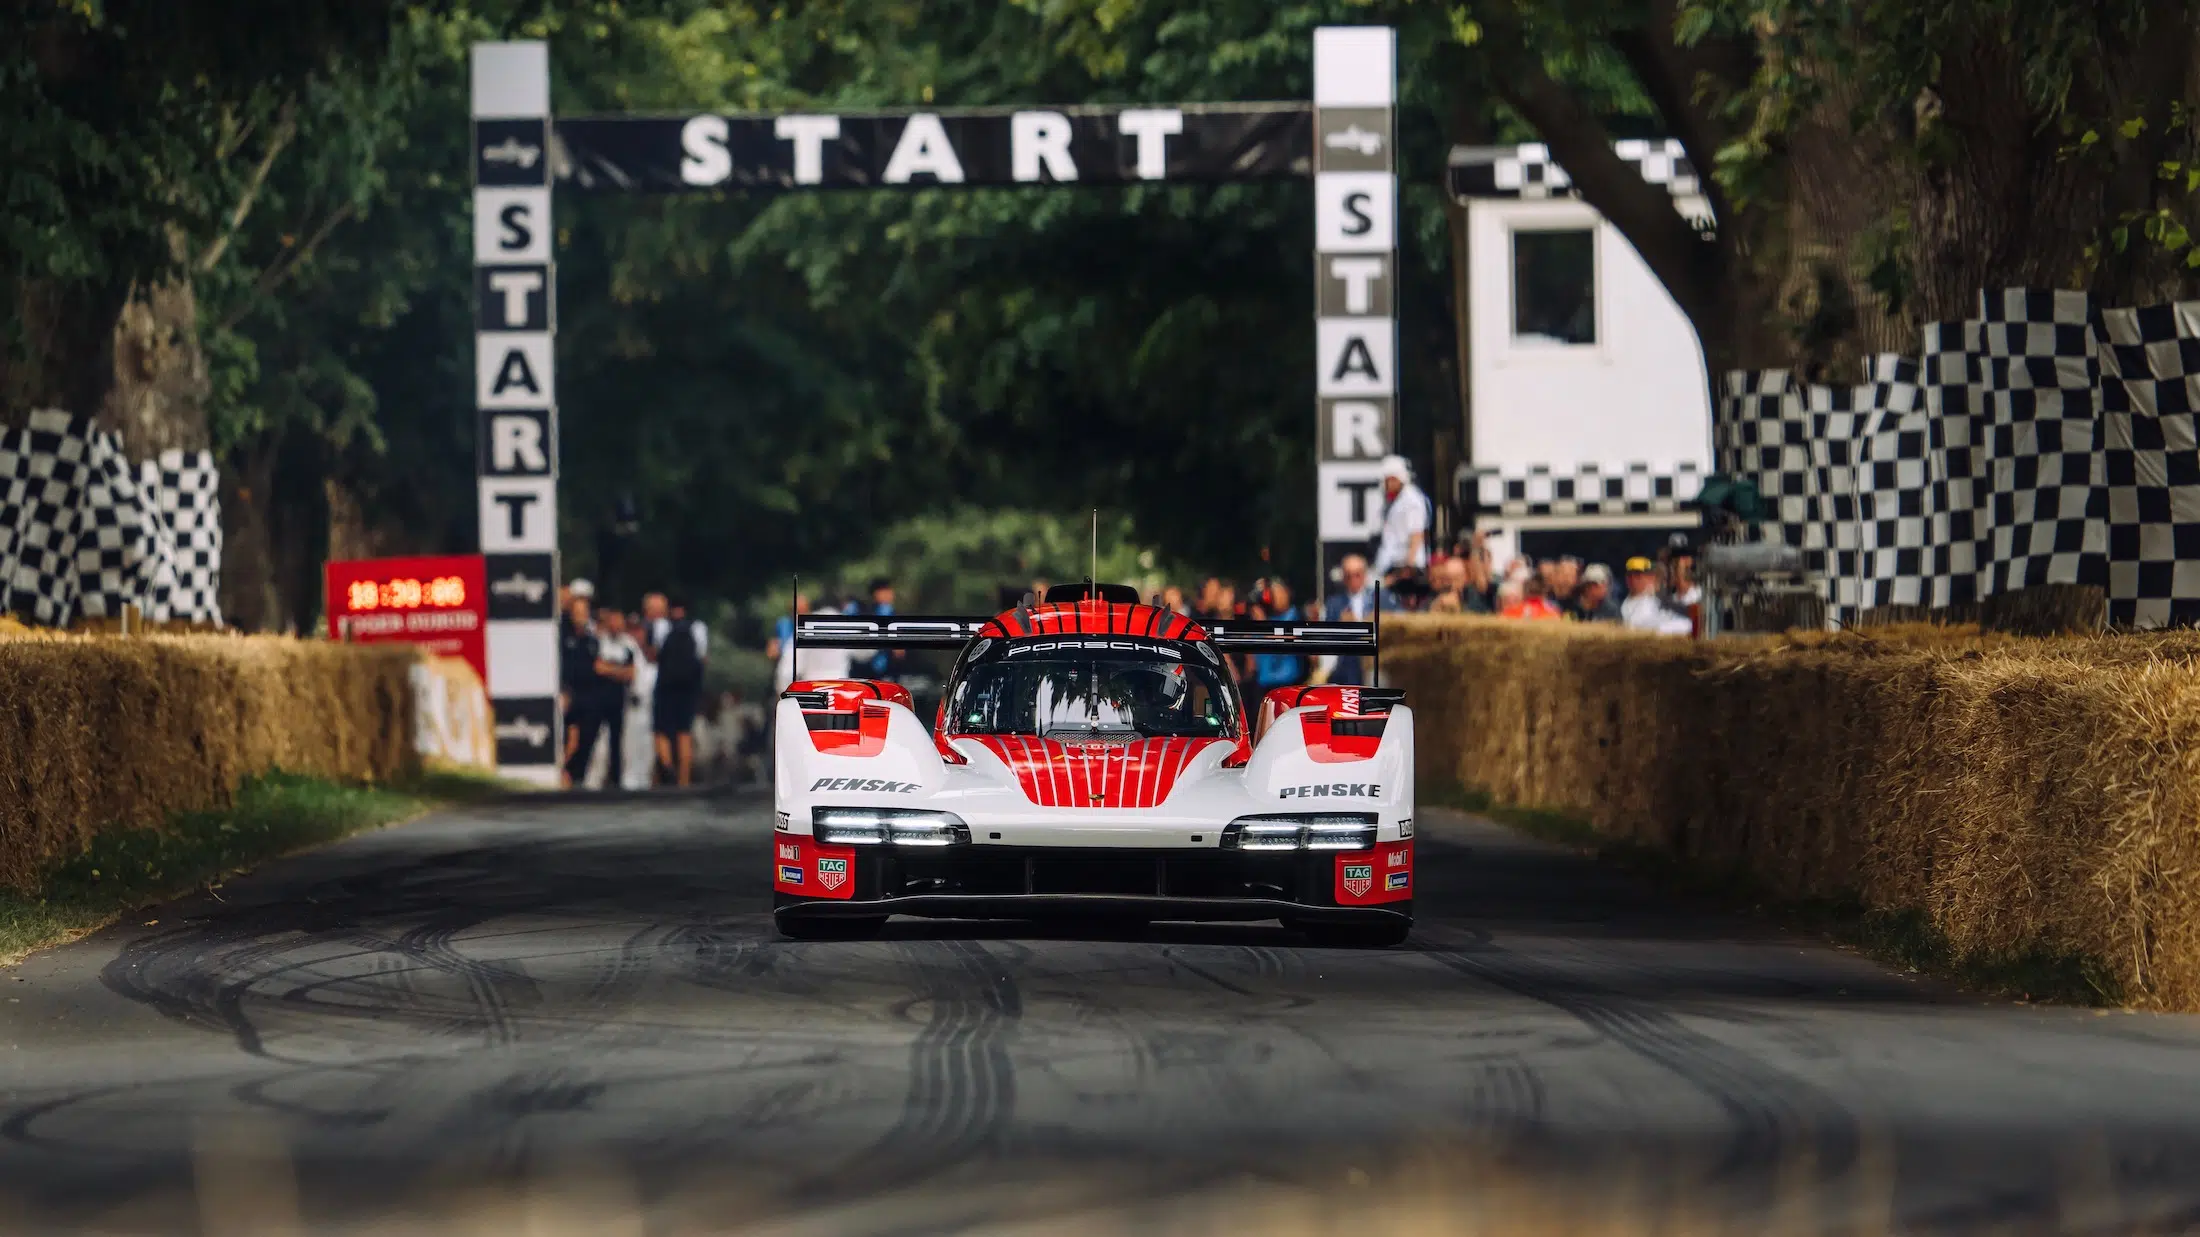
863	631
1306	639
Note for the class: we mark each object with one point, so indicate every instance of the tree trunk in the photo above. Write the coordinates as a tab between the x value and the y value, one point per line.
64	358
250	599
157	397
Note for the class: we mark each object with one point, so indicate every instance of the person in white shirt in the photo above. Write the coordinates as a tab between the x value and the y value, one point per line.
815	664
1403	545
1644	610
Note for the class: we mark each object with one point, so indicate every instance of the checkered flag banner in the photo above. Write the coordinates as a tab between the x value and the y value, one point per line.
1635	488
2150	362
83	533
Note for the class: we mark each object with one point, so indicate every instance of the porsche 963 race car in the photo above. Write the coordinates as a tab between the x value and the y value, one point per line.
1091	756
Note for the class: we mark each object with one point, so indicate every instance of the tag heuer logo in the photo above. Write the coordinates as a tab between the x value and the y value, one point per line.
532	733
1359	878
1353	137
529	588
832	873
523	154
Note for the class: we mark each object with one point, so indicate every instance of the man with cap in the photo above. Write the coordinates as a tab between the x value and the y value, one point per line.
1644	609
1401	550
1593	601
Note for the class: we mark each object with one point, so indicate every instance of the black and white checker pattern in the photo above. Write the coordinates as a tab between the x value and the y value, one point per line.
2046	520
1588	489
2150	392
83	534
186	486
43	471
1954	460
1527	171
1895	489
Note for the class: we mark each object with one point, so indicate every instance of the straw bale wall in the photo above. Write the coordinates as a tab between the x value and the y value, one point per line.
103	733
2022	793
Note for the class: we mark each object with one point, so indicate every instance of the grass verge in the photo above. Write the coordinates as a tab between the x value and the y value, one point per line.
275	814
1903	938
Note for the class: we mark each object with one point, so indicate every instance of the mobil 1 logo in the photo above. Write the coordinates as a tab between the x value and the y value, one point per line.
522	586
517	442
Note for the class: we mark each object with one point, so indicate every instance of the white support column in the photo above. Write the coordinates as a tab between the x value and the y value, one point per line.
1355	277
515	392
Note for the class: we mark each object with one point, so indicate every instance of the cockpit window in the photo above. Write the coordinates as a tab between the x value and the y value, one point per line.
1112	690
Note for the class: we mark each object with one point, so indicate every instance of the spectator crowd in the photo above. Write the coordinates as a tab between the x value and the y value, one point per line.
632	682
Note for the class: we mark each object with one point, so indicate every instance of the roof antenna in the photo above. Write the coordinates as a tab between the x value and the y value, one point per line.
794	630
1375	679
1092	582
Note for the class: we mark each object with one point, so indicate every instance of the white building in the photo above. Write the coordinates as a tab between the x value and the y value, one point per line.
1588	420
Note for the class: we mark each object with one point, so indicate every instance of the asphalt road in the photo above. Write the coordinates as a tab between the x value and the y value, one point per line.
574	1017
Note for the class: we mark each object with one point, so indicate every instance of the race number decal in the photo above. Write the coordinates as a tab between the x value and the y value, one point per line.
1373	877
800	865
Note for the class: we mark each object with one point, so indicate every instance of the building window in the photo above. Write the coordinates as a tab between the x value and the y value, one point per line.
1555	287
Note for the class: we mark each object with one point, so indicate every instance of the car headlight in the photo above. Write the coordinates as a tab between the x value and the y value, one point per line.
1324	831
873	826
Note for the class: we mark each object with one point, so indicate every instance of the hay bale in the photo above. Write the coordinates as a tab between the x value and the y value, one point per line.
2022	794
122	733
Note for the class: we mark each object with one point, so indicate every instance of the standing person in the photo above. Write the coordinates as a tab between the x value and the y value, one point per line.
571	632
617	656
1274	670
1401	549
815	664
640	747
1535	601
1593	600
886	662
683	645
1172	600
1644	609
1353	603
581	686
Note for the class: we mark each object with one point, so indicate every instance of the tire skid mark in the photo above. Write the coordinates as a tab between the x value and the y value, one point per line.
1775	1118
962	1081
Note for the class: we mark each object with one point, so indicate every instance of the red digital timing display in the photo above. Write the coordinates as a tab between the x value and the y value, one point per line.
438	602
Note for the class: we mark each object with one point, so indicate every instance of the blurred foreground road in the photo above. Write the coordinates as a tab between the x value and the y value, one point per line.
574	1017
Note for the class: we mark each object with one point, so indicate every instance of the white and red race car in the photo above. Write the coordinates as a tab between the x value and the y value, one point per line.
1092	757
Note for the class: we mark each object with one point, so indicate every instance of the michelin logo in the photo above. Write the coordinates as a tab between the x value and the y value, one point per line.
868	785
1327	790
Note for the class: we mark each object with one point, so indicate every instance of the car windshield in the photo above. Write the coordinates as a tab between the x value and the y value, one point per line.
1114	694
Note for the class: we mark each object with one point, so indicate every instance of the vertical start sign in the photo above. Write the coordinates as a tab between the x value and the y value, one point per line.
1355	276
515	394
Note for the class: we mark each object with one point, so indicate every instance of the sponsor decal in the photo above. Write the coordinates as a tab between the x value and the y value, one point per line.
790	852
1348	701
1397	880
867	785
1359	878
1396	859
1327	790
789	874
1405	828
525	587
1353	137
526	730
513	152
832	873
785	823
1121	646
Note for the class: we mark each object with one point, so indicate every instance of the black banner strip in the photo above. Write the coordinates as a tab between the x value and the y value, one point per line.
1080	145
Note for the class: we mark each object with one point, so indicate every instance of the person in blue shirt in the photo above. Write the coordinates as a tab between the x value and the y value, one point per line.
1353	603
885	663
1274	670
